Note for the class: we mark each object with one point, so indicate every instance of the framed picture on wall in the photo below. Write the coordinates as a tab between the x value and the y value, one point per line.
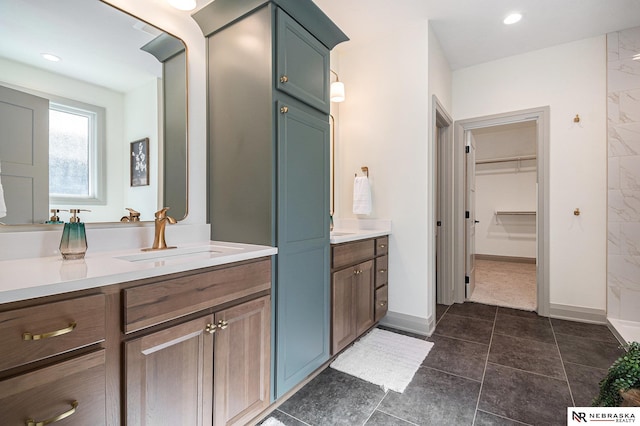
140	162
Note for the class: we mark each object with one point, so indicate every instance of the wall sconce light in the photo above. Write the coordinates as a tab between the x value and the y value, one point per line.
183	4
336	93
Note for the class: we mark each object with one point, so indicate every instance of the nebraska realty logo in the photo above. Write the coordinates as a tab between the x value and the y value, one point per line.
582	415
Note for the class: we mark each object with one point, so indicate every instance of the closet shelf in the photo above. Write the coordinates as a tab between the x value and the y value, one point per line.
506	159
516	213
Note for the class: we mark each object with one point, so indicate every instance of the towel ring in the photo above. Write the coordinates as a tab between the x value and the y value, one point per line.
365	170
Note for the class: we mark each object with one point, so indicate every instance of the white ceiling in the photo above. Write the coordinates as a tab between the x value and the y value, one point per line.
97	43
471	31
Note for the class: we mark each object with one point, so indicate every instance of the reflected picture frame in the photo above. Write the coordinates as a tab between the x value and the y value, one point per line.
139	162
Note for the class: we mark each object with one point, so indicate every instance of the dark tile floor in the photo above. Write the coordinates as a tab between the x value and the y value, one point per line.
488	366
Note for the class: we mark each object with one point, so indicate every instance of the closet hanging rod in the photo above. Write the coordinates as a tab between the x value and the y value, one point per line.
506	159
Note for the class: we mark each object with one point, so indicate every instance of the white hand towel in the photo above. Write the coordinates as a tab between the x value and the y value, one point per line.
361	195
3	206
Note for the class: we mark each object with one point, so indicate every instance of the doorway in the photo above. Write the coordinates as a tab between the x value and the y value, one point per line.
465	191
501	198
442	199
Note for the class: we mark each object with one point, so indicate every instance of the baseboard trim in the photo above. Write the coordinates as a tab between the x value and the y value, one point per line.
578	313
404	322
513	259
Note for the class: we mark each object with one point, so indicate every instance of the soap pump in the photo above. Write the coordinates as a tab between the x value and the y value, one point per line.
55	219
73	244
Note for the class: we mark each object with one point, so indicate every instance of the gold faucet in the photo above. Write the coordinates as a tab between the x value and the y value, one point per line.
159	242
134	216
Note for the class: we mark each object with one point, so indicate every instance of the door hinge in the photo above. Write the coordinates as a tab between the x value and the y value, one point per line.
439	223
466	149
467	215
466	279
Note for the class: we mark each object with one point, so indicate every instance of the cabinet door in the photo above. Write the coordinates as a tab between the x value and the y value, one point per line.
169	376
302	288
302	65
343	325
242	362
364	299
71	392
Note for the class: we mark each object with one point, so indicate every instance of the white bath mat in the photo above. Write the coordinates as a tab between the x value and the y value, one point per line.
272	422
385	358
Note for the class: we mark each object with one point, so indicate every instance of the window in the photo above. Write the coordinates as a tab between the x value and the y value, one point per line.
75	143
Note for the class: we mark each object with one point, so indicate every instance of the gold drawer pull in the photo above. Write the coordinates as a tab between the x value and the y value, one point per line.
382	304
284	79
382	271
284	110
222	324
29	336
74	406
210	328
381	245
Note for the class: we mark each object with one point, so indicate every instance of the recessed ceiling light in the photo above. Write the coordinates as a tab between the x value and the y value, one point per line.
512	18
183	4
50	57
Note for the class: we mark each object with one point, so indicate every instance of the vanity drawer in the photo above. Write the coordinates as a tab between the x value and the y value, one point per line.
382	245
37	332
382	270
382	302
75	388
351	253
162	301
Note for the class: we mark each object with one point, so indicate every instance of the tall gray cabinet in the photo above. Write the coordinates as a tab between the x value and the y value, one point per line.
268	159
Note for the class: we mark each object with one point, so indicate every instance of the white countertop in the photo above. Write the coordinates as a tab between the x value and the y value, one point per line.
22	279
338	236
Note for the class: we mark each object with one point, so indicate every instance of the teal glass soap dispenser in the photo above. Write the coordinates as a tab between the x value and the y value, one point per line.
73	244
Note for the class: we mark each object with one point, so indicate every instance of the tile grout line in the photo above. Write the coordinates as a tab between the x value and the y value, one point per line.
484	372
564	370
396	417
450	374
376	407
506	418
293	417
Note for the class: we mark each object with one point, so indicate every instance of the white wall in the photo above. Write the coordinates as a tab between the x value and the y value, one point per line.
383	125
505	190
571	79
508	186
141	121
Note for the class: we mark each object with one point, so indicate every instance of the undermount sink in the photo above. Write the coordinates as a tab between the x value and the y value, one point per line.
341	234
170	254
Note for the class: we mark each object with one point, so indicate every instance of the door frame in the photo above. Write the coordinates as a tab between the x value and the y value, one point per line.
541	116
441	159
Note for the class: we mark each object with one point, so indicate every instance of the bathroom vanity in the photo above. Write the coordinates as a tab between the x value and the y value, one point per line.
173	337
359	284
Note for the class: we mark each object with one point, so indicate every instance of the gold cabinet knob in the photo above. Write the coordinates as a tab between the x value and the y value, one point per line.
284	109
383	245
210	328
222	324
382	271
284	79
382	304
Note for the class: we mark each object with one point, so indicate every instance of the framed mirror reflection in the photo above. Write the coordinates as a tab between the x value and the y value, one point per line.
69	118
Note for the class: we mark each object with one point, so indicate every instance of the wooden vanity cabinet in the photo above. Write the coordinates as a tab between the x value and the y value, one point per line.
213	369
168	375
191	348
358	289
